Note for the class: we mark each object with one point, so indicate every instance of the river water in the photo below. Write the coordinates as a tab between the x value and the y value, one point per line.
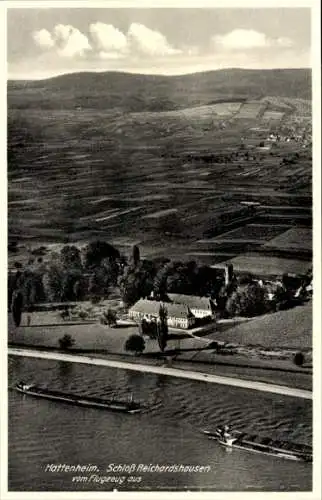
44	434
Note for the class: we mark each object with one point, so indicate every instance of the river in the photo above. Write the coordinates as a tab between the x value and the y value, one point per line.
43	434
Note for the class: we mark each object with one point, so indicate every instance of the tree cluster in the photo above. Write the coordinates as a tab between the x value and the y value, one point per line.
69	275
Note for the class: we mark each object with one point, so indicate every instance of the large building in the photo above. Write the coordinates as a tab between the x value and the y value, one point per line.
201	307
178	315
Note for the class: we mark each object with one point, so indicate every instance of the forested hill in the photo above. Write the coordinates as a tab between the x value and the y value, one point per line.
136	92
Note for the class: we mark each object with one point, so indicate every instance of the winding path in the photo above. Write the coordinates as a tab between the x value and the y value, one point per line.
163	370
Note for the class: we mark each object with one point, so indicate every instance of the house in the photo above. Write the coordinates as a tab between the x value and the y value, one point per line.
200	307
178	315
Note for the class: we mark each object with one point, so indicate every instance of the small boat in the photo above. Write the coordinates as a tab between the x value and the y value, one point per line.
259	444
88	401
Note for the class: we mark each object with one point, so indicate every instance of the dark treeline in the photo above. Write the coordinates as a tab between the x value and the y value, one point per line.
91	273
98	269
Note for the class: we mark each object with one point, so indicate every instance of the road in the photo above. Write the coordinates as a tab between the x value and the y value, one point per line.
164	370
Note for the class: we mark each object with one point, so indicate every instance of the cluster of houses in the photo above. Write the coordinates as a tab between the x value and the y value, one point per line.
182	310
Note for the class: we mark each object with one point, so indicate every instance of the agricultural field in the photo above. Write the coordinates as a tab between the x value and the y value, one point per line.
262	265
165	169
299	238
273	115
251	110
250	232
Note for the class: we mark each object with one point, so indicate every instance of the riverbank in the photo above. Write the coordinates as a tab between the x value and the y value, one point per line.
164	370
235	376
183	351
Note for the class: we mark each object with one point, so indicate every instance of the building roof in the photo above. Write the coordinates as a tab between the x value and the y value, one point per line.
145	306
192	301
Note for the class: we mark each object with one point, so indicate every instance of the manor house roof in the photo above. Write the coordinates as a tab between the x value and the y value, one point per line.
152	307
192	301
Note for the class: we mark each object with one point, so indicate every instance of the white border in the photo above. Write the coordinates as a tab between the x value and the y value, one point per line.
316	79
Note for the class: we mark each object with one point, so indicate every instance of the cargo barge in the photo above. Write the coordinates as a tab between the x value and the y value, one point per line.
260	444
87	401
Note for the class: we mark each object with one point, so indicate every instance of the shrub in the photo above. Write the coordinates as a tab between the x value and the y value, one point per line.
110	317
148	328
64	314
299	358
135	343
83	315
66	342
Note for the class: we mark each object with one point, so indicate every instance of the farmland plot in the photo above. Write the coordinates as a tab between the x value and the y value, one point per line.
299	238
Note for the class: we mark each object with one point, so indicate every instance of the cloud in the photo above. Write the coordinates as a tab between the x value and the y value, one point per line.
145	41
43	39
65	40
108	40
105	42
284	42
241	39
109	55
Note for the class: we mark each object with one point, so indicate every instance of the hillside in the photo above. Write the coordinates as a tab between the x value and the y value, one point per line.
131	92
107	155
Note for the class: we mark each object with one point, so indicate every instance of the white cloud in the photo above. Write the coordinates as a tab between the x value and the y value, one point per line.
43	38
241	39
106	42
110	55
107	38
65	40
70	41
145	41
284	42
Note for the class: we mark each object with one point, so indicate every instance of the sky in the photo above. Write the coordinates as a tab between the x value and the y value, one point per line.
50	41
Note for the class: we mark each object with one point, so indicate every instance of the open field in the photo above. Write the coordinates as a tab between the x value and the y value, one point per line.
292	328
264	265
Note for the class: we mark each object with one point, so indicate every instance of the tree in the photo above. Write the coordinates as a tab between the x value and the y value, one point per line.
135	255
149	328
162	332
52	280
99	282
70	257
135	343
232	304
137	283
249	302
160	280
66	342
96	251
109	318
16	307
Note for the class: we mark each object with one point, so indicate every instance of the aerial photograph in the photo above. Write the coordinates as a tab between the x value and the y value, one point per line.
159	253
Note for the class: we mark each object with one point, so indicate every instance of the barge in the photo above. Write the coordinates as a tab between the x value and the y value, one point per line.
260	444
87	401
